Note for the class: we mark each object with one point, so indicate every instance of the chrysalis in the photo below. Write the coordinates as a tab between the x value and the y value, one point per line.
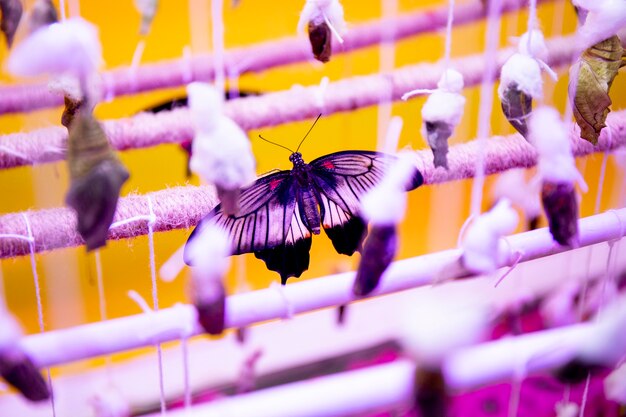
96	176
596	68
441	113
378	252
384	206
209	251
42	14
222	154
16	367
521	82
561	207
323	19
11	15
320	37
558	174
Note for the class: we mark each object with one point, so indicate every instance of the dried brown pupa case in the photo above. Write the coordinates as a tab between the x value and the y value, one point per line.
71	110
561	208
11	14
378	252
320	37
96	177
516	106
597	68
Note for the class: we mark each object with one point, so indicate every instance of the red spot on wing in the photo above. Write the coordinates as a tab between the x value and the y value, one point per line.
275	183
328	165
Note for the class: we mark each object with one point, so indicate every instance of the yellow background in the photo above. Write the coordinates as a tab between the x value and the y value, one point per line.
435	213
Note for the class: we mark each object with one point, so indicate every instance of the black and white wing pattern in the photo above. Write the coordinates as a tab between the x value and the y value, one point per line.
268	224
342	178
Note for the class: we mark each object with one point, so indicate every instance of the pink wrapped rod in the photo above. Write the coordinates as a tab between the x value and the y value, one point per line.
183	207
106	337
147	129
255	58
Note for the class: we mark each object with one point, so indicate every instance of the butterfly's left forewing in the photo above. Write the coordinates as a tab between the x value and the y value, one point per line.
342	178
265	215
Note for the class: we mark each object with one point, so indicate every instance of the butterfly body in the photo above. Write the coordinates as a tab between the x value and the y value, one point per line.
280	212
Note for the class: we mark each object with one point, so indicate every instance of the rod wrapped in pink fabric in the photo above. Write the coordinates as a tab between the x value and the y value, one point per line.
147	129
259	57
183	207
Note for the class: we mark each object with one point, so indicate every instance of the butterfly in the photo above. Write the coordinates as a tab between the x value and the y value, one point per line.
281	211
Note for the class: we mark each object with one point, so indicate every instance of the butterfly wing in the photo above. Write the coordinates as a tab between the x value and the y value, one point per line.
268	224
342	178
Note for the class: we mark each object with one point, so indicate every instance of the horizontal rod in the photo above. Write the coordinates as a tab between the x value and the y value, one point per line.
148	129
116	335
254	58
183	207
385	387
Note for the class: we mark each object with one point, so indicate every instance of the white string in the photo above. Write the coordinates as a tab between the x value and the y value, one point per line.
532	21
33	265
332	28
155	297
217	13
187	65
583	403
486	102
448	47
280	289
186	384
417	91
605	159
62	10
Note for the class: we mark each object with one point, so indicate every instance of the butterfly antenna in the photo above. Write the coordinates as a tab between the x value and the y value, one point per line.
307	133
277	144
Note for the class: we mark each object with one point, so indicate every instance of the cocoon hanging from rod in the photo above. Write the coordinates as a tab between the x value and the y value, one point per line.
384	206
209	253
221	151
323	20
558	174
520	80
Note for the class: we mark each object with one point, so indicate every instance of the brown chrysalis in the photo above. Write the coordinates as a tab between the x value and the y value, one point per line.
96	176
597	68
561	207
11	15
18	370
377	253
320	37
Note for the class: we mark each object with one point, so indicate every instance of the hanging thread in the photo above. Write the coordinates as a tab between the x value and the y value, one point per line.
486	101
33	265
